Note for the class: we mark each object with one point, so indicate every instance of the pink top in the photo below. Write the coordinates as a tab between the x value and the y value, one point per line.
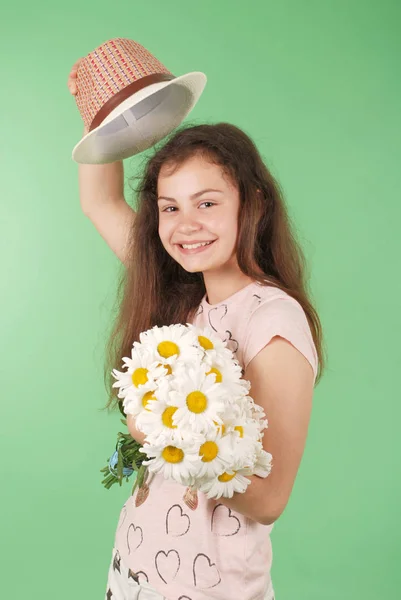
213	552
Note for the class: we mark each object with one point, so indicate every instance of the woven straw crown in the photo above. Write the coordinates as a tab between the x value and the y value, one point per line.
110	74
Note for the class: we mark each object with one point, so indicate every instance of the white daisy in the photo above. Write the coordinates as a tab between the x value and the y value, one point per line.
135	404
225	485
177	461
253	410
247	429
215	454
263	464
244	450
232	413
172	343
258	415
140	374
200	401
212	345
229	374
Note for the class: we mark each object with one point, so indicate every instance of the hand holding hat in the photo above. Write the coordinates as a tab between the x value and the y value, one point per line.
72	83
128	100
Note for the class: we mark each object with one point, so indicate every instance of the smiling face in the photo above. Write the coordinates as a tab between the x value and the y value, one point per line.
198	216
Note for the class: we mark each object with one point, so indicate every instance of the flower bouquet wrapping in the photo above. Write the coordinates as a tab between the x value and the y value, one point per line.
202	429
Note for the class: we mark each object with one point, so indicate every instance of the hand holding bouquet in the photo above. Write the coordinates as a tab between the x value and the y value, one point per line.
184	388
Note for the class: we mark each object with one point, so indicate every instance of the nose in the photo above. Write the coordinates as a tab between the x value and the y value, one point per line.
188	223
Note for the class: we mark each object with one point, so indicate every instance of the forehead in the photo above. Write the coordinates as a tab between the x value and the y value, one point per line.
194	173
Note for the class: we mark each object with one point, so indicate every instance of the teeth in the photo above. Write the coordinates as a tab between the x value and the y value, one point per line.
190	246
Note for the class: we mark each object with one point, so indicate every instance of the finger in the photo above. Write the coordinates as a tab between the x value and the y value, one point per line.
71	82
73	74
73	71
76	65
72	88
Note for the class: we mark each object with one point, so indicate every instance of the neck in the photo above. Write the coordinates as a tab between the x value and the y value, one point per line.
220	286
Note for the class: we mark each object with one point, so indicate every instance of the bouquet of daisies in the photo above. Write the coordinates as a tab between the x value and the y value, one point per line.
185	389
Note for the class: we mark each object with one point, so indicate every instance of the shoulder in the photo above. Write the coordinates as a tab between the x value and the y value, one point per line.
269	299
273	312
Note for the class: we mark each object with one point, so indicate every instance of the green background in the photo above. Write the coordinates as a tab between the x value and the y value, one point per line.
316	84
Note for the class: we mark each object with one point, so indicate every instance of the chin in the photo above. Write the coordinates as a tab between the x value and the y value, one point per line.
189	270
204	268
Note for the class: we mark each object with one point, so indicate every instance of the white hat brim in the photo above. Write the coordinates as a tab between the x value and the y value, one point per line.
141	120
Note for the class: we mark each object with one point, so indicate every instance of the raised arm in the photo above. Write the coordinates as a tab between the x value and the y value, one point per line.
101	192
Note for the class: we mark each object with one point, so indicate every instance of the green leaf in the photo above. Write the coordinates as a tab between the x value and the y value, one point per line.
141	475
120	466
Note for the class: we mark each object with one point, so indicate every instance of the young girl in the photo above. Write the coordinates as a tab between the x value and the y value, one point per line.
211	244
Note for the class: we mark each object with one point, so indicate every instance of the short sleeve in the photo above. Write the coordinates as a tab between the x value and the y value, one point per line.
284	317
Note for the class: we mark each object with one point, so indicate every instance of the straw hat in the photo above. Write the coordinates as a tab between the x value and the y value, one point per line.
129	100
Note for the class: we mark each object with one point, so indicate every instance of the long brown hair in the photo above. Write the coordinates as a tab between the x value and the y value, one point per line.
155	290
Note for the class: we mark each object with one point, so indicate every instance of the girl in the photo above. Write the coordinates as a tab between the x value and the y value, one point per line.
211	244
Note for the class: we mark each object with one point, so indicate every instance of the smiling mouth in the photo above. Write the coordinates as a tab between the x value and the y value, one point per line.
193	246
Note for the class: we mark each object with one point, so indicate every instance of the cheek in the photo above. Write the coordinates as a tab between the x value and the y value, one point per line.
227	228
165	235
231	235
162	237
163	231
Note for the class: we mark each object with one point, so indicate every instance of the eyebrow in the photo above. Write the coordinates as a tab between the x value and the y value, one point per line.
194	196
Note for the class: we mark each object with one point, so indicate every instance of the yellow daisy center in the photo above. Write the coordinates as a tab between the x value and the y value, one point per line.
221	427
240	429
167	349
219	376
208	451
139	376
224	477
196	402
167	417
148	396
167	367
172	454
205	342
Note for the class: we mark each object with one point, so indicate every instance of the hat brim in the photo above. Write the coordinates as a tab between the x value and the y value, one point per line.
141	120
